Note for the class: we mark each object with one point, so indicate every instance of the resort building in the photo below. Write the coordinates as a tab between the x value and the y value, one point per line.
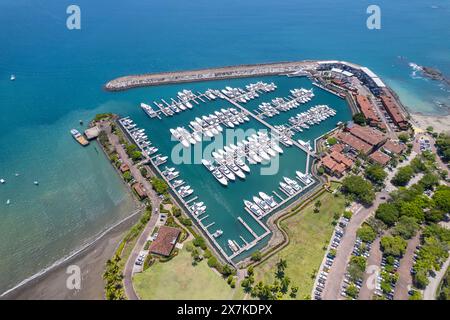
371	136
368	110
124	168
393	148
139	189
393	110
380	158
357	144
165	241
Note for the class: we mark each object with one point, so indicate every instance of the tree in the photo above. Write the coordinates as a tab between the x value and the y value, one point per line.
430	129
412	209
406	227
159	185
332	141
429	181
352	291
359	118
127	176
403	175
356	267
366	233
393	245
375	173
403	137
388	213
359	188
256	256
441	198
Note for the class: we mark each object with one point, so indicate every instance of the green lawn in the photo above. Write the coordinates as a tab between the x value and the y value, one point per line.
178	279
308	233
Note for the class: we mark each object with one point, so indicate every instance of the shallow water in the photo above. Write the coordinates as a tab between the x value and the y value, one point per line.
60	74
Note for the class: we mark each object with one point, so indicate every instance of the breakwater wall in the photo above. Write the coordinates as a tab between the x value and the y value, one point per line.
239	71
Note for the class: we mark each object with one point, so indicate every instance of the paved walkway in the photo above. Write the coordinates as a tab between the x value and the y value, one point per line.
332	289
430	291
155	200
405	279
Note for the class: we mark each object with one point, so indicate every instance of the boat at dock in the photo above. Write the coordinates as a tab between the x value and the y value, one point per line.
233	246
217	234
253	208
269	200
208	165
305	178
261	203
220	177
79	137
292	183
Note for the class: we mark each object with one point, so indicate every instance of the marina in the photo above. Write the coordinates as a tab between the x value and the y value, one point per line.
233	169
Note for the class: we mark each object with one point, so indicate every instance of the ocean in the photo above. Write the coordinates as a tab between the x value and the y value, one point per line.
60	74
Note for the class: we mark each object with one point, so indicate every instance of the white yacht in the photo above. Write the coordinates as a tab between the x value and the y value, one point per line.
220	177
233	246
253	208
235	169
217	234
292	183
269	200
241	164
287	188
208	165
227	173
261	203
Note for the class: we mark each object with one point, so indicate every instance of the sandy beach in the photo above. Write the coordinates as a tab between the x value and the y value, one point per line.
52	284
439	123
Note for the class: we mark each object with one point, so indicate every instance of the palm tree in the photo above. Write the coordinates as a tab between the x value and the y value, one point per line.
282	264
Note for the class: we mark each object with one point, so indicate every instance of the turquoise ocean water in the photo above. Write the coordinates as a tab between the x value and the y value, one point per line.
60	74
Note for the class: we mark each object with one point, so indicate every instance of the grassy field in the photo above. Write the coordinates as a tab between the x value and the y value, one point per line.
308	232
178	279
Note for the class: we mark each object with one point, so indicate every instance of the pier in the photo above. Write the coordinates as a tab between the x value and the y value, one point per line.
248	228
306	150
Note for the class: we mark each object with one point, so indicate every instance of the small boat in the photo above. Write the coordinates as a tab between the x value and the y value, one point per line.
233	246
8	202
2	181
217	234
12	78
78	137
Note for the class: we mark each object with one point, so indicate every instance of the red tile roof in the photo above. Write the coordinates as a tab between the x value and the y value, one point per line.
139	188
380	157
394	147
338	147
367	108
368	135
165	241
340	158
354	142
124	167
393	109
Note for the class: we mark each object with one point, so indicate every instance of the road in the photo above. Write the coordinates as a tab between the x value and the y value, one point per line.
154	199
430	291
335	277
405	279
